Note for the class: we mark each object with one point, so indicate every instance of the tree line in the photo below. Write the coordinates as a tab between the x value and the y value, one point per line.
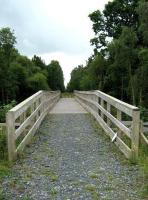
119	64
20	76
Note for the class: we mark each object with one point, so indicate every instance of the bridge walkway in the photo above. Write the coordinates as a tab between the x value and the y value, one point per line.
71	159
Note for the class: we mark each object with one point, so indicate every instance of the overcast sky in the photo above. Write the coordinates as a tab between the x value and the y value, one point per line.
53	29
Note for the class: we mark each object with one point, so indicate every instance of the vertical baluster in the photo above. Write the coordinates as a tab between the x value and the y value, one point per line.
10	121
109	110
135	134
119	117
102	104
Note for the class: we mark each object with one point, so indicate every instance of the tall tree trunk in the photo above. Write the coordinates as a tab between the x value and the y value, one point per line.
3	95
132	85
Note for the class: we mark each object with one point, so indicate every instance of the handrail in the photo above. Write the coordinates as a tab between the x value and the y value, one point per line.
99	105
28	115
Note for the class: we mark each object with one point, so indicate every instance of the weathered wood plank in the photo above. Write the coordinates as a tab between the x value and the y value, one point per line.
34	128
124	107
119	124
135	134
20	108
10	121
122	146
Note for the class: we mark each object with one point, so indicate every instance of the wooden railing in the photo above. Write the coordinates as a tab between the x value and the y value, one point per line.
108	111
23	120
143	131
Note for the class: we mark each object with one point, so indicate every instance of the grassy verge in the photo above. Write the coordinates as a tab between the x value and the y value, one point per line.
143	163
67	95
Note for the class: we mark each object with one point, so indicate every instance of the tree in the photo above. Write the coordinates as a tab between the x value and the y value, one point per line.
18	81
108	24
123	66
142	11
55	76
38	62
37	82
7	42
76	76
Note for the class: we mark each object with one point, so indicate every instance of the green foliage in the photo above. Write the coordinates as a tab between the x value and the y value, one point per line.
109	23
38	82
76	76
3	136
3	143
144	114
4	109
55	76
90	77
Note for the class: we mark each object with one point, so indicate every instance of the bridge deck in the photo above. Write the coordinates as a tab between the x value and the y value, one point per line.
71	159
68	105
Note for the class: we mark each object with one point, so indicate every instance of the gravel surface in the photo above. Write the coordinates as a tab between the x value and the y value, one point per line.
71	159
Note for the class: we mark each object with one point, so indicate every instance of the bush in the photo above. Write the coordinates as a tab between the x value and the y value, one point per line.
3	138
3	143
4	109
144	114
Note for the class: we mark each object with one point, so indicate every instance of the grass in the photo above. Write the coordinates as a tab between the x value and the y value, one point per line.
2	196
54	191
93	175
5	170
67	95
51	174
3	143
143	163
90	187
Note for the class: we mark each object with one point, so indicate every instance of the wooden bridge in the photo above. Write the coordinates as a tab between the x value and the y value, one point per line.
112	114
69	157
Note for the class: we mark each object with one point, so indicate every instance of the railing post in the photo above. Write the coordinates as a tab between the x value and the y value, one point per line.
119	117
102	104
135	134
109	110
10	121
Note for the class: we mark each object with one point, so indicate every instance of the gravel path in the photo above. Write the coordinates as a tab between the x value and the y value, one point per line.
71	159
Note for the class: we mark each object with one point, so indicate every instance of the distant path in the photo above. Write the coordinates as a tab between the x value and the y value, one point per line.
68	105
71	159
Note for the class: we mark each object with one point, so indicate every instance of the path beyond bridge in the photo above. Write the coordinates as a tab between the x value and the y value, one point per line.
68	105
70	158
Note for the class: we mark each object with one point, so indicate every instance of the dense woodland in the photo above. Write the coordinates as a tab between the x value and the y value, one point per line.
119	64
20	76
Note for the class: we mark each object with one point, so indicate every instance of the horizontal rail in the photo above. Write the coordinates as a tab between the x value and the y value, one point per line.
99	105
119	124
122	146
124	107
20	108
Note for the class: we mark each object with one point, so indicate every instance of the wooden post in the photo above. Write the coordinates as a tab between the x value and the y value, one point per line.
108	109
10	121
119	117
102	104
135	134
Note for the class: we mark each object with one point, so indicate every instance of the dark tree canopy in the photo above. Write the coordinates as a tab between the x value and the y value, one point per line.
55	76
